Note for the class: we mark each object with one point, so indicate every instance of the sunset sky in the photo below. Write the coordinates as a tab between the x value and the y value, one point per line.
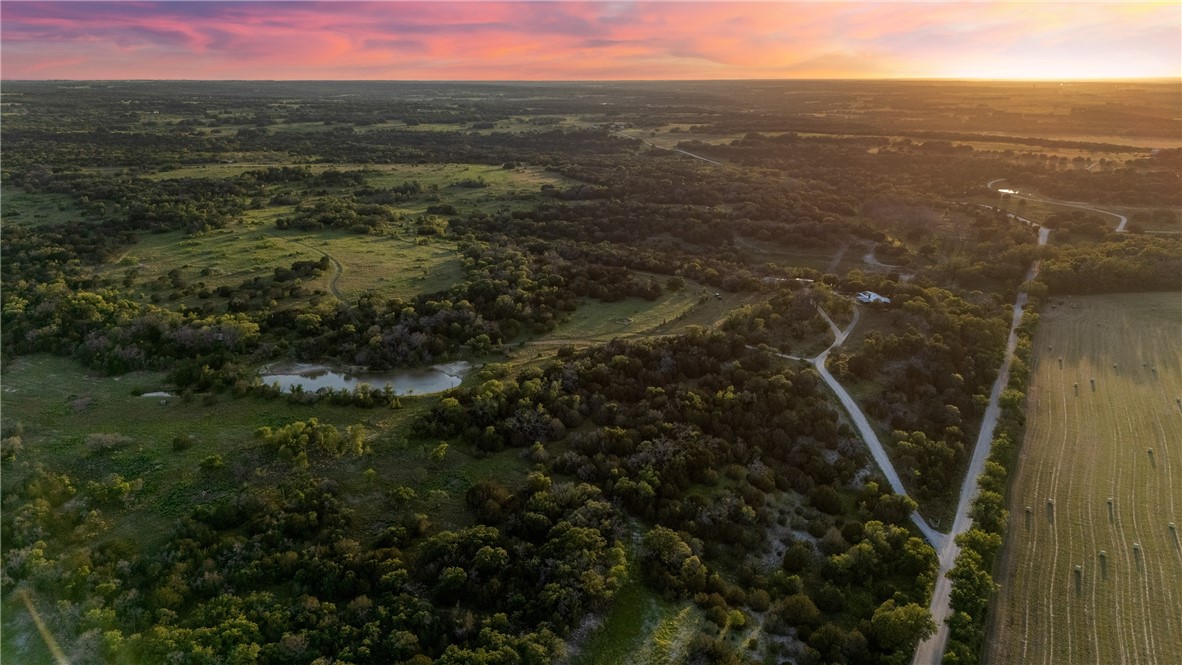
587	40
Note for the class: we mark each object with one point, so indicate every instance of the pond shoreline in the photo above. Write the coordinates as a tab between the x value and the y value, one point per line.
312	377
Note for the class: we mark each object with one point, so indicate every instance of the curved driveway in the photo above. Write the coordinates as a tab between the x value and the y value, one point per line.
864	429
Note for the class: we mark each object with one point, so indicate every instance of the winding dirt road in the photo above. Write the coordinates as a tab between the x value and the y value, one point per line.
1121	219
877	451
931	650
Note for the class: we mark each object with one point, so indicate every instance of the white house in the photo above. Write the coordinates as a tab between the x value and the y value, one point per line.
872	297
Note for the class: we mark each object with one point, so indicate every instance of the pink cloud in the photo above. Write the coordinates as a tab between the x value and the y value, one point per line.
561	40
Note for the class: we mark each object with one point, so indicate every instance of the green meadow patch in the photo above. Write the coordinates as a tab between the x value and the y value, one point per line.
36	209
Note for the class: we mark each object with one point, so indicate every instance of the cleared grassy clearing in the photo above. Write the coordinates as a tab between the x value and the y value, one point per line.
514	125
632	627
500	184
387	266
711	312
467	187
838	260
1146	142
59	404
219	170
1116	159
1151	225
402	265
641	628
596	322
36	209
671	134
497	178
1034	210
1079	451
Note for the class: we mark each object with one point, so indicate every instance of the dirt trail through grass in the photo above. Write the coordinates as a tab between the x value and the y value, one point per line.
332	285
832	267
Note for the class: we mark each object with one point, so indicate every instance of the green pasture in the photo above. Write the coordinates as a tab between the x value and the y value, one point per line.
401	265
838	260
444	183
389	266
596	322
58	405
674	312
513	125
498	179
640	627
36	209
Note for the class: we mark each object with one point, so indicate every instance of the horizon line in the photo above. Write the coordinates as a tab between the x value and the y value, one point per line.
982	79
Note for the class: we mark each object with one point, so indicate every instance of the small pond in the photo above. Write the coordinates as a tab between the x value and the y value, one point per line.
417	381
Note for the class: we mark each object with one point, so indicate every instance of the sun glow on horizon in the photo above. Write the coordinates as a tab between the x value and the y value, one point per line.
497	40
1051	72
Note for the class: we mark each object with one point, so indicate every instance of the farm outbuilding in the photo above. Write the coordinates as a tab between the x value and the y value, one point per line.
871	297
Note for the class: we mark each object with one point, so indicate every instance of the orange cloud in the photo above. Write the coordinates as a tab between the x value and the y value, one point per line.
586	40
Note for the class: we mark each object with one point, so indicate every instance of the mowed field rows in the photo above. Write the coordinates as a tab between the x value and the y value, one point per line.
1122	440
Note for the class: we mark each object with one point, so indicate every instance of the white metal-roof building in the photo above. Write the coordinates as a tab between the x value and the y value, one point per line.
872	297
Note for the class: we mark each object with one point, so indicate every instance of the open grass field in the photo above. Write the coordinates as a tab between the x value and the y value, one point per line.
672	313
498	181
401	265
838	260
597	322
1150	225
1122	441
387	266
640	626
59	404
35	209
443	183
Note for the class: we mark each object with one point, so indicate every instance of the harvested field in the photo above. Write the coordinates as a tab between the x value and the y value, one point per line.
1118	439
